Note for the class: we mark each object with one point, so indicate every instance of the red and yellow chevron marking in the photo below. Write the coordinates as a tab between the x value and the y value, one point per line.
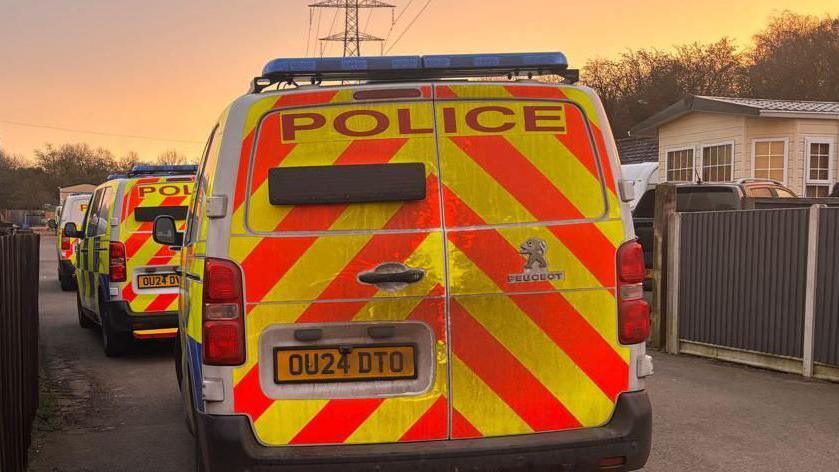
140	248
540	356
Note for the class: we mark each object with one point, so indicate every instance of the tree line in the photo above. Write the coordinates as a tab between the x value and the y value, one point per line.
26	185
794	57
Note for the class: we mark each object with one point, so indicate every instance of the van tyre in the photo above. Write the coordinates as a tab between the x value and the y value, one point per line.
199	458
66	280
84	321
115	344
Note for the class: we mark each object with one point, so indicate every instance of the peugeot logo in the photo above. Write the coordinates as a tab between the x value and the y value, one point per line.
536	263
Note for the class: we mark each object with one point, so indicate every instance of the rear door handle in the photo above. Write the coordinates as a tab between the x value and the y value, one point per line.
409	276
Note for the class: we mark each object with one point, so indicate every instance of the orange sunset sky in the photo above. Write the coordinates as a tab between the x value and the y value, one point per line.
152	75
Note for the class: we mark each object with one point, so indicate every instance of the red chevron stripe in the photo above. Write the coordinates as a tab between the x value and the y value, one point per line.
431	311
462	428
496	366
242	171
128	293
544	201
161	302
248	397
431	425
336	421
268	263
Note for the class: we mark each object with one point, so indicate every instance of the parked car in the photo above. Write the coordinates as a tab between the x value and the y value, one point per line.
644	177
702	196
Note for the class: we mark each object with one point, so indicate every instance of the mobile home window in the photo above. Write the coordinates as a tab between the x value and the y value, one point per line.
819	168
717	163
770	159
680	165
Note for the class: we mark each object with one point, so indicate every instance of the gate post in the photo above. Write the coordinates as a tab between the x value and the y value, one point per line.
674	251
810	289
665	205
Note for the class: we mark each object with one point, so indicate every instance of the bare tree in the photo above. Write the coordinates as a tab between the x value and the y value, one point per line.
796	57
173	157
643	82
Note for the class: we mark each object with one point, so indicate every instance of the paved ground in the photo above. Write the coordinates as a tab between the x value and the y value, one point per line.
124	415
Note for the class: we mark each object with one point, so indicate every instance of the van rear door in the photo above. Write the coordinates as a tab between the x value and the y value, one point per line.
337	229
532	226
151	283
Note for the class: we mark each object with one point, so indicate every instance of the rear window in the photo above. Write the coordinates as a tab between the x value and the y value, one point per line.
150	197
74	210
509	161
690	199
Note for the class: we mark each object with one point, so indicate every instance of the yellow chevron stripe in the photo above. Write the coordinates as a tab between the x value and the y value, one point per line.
259	318
285	418
481	405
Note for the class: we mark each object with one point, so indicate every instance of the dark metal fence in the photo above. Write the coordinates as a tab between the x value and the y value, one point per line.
742	279
760	287
18	346
827	289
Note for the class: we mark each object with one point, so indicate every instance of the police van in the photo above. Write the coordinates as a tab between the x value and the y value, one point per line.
127	283
73	209
410	269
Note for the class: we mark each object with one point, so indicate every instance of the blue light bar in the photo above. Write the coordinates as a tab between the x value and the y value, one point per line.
164	169
144	169
390	68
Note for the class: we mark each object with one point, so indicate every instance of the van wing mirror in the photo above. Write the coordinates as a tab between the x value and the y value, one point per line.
166	232
52	224
71	231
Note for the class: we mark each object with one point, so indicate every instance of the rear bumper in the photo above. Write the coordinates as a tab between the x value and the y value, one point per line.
123	320
228	443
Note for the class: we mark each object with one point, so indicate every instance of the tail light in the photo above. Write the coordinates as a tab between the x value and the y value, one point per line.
633	310
65	243
116	262
223	314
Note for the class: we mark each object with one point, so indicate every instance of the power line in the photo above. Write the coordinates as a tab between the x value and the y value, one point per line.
394	22
416	17
309	33
101	133
324	44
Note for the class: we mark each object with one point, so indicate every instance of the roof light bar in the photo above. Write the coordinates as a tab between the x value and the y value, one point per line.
138	170
394	68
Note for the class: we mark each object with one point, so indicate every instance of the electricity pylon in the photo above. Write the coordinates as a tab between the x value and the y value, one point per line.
351	36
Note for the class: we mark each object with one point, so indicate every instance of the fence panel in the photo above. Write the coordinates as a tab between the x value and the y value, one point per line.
18	346
742	279
826	336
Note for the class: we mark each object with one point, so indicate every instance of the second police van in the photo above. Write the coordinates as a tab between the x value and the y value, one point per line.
127	283
412	270
73	209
